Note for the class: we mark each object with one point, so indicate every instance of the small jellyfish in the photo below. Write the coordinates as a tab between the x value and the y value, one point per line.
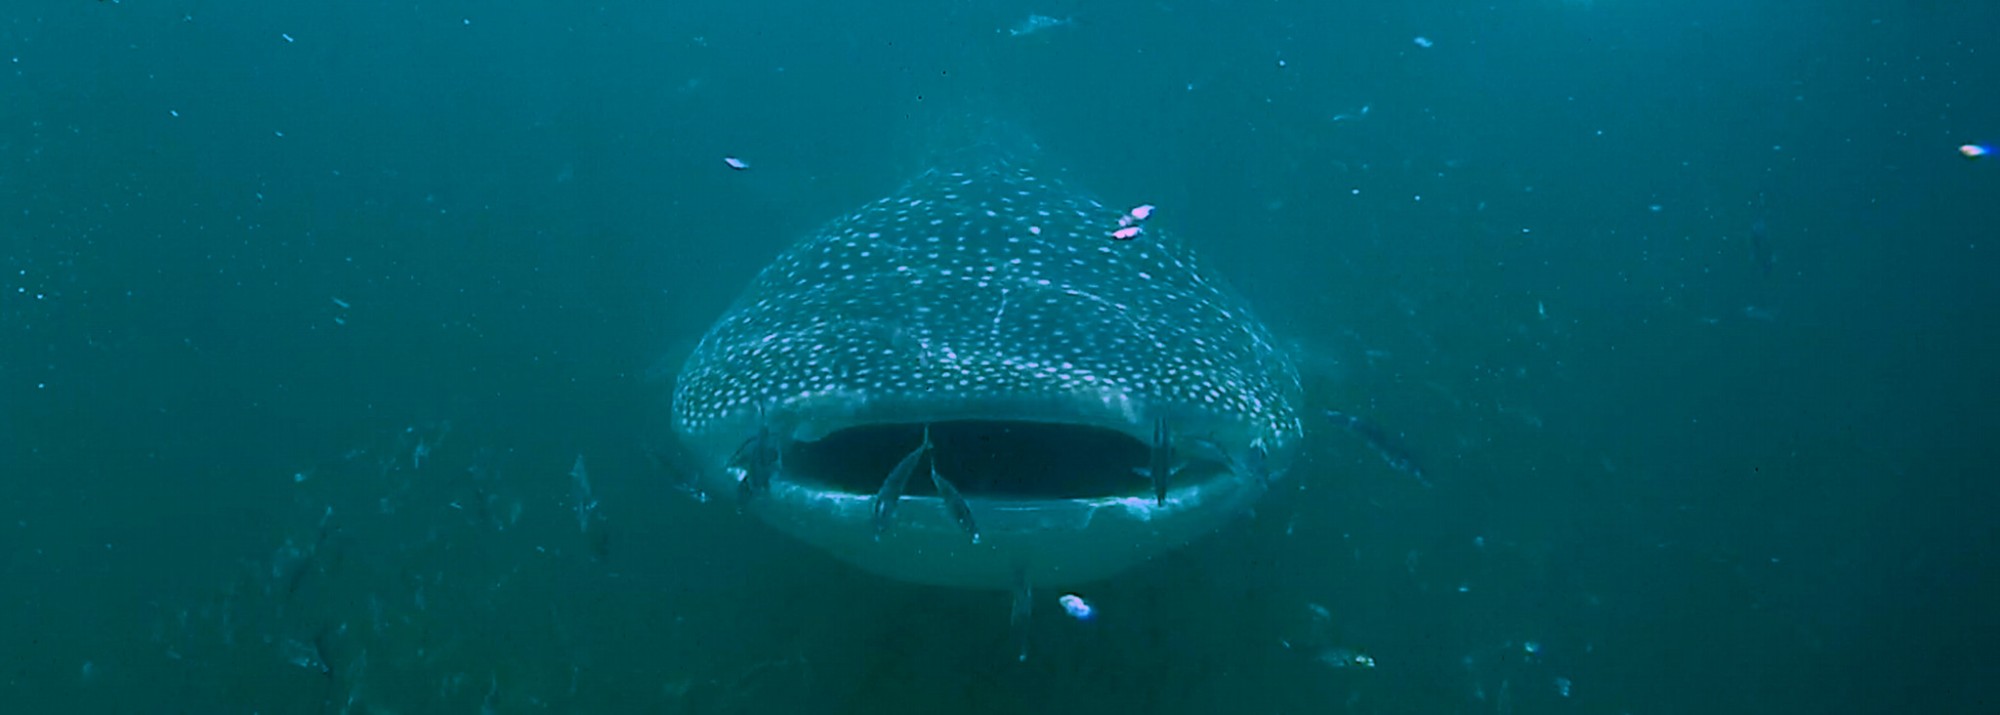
1076	607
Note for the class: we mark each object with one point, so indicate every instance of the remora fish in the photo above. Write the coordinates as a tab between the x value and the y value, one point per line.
954	503
759	458
891	493
1254	461
992	304
1160	462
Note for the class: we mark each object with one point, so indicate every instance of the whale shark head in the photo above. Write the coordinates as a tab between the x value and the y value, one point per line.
1047	357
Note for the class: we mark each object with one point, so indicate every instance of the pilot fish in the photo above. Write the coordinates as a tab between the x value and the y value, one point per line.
993	306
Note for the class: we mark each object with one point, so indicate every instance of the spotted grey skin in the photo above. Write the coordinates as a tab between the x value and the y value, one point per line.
996	295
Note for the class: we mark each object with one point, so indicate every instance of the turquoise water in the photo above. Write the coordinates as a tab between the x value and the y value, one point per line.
1687	308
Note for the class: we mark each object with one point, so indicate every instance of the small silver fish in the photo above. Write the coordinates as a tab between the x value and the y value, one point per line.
1388	446
954	503
891	492
1023	611
1338	657
1038	23
306	655
580	496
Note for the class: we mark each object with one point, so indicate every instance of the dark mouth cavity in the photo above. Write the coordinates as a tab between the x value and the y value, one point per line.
1017	460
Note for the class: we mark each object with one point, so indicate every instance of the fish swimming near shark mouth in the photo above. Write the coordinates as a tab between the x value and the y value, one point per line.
982	330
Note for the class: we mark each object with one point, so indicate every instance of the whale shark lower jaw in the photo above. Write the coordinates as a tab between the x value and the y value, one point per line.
1058	502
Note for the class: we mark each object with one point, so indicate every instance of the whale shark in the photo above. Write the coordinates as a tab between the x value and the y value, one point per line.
1083	395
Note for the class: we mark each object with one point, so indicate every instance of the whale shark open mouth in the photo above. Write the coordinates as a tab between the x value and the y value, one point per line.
1056	353
989	459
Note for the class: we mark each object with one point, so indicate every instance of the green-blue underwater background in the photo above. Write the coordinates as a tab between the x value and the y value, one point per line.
1688	308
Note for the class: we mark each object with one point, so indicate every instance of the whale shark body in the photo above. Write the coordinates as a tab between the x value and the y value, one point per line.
987	327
